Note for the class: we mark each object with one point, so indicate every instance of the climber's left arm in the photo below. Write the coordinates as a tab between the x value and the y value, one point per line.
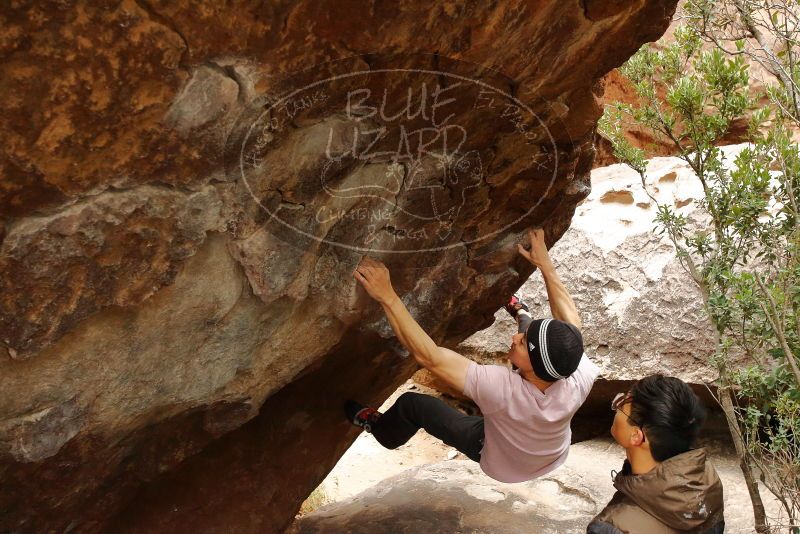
446	364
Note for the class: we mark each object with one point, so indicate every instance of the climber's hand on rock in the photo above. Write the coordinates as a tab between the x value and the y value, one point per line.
374	276
538	254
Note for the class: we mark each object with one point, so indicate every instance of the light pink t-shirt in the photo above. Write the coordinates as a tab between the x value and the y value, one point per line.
527	431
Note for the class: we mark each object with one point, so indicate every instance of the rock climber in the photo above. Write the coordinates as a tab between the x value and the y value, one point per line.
524	431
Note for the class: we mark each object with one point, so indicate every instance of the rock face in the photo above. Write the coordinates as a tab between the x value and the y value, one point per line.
186	189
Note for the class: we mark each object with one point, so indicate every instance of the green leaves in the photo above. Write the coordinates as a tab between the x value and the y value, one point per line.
641	67
610	126
721	74
686	97
688	41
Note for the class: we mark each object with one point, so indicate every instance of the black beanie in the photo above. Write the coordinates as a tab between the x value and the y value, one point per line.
554	347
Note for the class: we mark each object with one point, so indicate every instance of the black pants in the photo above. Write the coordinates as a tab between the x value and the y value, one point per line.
413	411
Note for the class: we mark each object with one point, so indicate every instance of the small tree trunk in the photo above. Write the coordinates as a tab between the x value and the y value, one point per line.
759	514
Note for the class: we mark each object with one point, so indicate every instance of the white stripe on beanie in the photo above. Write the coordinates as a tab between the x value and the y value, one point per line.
548	365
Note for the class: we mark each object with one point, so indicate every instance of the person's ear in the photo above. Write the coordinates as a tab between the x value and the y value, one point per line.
637	436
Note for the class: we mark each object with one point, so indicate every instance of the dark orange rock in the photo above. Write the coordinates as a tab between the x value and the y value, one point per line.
178	319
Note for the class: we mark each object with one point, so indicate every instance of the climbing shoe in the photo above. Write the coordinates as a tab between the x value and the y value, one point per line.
361	415
514	305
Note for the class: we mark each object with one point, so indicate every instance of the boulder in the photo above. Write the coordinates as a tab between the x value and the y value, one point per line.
186	190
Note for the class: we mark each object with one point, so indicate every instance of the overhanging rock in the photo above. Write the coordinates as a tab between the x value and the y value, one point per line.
186	190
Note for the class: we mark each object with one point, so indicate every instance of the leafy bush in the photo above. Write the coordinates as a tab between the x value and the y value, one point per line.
745	261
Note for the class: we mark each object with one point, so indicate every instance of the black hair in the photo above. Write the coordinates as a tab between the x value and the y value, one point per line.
670	413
